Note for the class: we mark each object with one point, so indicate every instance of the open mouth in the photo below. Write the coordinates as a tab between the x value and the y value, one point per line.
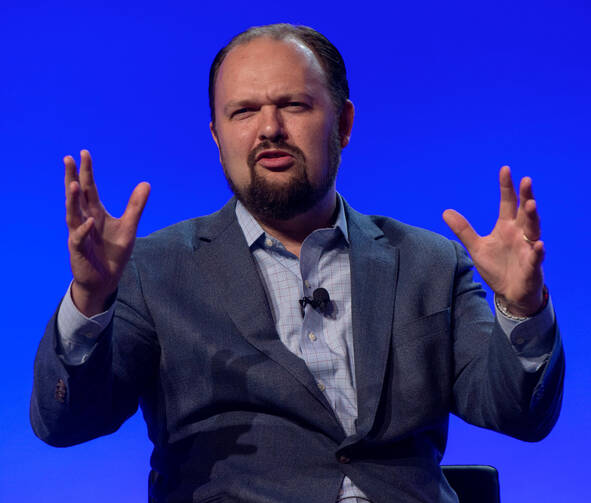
275	159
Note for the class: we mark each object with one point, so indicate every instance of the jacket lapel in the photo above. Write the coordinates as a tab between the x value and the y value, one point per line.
374	274
224	256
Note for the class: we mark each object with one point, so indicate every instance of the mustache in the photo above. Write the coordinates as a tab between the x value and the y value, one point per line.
279	145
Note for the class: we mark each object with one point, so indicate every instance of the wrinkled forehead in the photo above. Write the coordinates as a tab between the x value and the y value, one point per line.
264	60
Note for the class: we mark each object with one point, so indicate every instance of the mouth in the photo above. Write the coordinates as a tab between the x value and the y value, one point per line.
275	159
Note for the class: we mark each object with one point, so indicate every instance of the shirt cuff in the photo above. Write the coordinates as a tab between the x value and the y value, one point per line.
77	334
532	338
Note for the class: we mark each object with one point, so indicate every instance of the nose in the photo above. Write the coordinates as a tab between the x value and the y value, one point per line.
271	125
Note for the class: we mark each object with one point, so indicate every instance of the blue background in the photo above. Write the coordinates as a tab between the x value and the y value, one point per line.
445	94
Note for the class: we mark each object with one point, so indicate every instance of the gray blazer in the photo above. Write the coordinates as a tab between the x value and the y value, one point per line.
235	416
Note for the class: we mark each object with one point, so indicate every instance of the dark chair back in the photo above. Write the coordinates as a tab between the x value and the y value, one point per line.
473	483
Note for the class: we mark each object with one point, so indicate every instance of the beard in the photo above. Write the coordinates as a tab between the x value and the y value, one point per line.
274	201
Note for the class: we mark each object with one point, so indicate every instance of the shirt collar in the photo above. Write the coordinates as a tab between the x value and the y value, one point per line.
253	231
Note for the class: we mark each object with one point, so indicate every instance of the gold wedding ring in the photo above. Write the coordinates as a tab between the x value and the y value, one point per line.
527	240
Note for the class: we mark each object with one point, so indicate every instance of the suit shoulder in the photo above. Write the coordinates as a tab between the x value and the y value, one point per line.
180	234
415	238
183	235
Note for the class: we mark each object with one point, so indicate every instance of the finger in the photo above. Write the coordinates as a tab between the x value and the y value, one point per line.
508	204
537	257
526	189
71	173
78	235
461	228
136	204
525	194
527	215
531	220
74	216
87	179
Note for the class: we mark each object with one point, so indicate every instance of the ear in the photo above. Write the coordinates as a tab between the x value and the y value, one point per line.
214	134
346	123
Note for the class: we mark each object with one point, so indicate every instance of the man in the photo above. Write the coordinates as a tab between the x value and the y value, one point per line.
288	348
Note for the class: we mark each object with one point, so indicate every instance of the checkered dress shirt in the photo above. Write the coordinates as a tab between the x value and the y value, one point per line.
323	340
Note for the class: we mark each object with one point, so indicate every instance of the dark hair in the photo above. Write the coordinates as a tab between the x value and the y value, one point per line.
328	56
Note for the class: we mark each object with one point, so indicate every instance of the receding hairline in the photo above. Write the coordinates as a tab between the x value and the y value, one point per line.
288	39
326	55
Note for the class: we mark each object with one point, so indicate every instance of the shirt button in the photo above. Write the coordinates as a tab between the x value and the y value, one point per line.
268	243
307	283
321	386
344	460
311	336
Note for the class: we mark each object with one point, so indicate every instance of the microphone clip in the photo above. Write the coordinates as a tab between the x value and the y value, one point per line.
320	300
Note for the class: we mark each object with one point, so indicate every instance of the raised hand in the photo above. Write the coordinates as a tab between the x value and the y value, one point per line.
510	258
99	244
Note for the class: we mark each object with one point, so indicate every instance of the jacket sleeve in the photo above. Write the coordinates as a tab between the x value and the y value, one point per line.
71	404
491	387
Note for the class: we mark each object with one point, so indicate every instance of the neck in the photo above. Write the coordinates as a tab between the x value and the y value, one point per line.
292	232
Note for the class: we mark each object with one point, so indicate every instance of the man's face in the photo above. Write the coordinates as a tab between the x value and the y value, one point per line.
276	128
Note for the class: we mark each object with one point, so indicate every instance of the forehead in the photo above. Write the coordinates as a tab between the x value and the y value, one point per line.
265	66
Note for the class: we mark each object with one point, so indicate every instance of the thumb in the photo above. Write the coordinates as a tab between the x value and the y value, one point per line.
136	204
461	228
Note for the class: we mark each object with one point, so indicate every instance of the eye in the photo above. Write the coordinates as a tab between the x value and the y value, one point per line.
296	106
242	113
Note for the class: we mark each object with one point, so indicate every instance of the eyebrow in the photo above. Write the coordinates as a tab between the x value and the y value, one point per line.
234	105
285	98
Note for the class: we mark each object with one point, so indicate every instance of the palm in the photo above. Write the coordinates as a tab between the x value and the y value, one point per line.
102	252
509	264
99	244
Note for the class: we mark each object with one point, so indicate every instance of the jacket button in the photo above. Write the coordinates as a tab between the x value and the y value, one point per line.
60	391
344	460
